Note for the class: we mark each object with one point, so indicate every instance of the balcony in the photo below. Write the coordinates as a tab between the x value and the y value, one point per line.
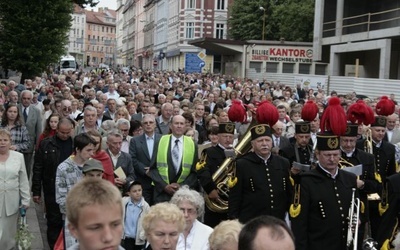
361	27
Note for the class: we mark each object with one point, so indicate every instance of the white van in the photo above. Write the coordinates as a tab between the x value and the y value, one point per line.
68	63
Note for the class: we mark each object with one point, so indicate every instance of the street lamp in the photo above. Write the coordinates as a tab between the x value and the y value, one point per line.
263	31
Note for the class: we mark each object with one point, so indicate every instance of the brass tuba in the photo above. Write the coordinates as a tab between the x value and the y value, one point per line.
225	176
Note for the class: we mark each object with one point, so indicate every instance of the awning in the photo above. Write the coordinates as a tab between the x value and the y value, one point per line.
219	46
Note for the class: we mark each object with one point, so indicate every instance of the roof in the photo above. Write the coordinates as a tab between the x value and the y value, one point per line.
100	16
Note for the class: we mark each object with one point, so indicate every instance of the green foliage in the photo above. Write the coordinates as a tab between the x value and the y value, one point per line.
83	3
33	34
289	19
295	20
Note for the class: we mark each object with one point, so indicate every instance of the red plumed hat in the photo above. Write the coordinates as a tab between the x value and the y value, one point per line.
360	113
309	111
267	113
385	106
237	112
334	119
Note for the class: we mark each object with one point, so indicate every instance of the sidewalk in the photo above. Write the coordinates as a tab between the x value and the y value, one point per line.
34	227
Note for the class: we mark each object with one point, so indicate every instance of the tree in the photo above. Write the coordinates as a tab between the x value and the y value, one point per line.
289	19
295	20
34	33
83	3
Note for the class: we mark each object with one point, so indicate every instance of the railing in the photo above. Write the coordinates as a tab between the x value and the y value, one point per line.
363	23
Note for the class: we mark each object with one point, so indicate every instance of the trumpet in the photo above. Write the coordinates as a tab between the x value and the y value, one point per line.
368	142
354	215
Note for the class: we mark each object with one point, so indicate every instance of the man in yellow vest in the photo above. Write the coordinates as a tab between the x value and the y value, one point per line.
176	162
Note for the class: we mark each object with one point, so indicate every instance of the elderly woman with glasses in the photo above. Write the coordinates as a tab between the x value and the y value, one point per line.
195	235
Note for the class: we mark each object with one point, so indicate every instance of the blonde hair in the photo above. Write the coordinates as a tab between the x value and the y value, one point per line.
224	232
166	212
124	111
91	191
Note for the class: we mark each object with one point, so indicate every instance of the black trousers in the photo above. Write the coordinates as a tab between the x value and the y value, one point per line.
212	219
54	219
129	244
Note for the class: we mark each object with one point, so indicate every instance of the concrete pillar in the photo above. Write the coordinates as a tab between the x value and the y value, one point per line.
318	26
384	65
339	17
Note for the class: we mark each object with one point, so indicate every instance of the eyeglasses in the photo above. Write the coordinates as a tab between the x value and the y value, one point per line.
147	123
124	130
188	211
67	108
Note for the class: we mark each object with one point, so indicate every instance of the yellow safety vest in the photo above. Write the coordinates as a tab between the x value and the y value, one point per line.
187	159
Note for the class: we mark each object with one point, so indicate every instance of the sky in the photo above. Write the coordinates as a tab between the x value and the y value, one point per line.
111	4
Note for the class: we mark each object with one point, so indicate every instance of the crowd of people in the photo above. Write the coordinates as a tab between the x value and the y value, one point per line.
193	161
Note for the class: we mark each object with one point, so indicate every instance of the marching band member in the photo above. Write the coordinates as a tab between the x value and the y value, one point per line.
321	205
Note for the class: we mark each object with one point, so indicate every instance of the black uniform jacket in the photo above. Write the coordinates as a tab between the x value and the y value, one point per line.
391	217
302	156
385	160
325	202
371	185
261	189
215	156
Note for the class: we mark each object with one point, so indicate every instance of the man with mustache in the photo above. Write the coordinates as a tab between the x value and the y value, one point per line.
263	186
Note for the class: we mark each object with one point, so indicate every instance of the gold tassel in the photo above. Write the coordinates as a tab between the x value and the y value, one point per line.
362	209
202	162
291	180
200	165
232	181
386	245
378	177
294	210
383	208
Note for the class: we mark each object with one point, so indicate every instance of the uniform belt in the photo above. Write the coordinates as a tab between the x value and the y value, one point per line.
129	238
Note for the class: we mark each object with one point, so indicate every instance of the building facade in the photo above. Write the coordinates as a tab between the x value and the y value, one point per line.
100	42
77	34
163	29
358	38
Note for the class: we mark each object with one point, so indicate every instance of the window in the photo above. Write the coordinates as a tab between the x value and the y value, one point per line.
220	4
190	30
256	66
190	4
219	31
102	29
288	68
304	68
320	69
272	67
